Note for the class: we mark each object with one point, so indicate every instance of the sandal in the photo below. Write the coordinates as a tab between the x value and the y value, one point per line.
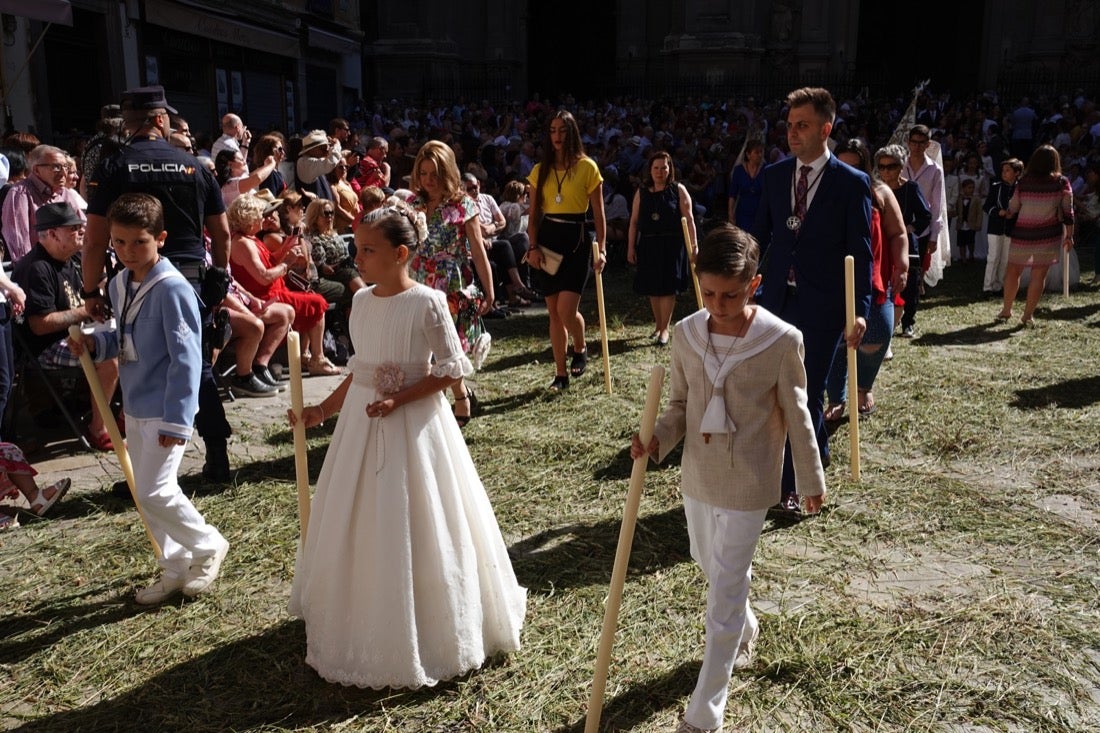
579	363
560	383
322	367
525	292
1002	318
100	441
835	411
464	420
866	403
40	504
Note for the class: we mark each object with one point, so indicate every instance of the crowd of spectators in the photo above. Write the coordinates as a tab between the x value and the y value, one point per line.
323	180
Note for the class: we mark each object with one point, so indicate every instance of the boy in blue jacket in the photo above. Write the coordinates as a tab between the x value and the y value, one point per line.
158	346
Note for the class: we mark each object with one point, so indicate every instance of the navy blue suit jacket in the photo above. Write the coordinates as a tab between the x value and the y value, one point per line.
837	224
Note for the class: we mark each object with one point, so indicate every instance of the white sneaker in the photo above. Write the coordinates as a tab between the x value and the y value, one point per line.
746	651
686	727
889	353
203	571
158	592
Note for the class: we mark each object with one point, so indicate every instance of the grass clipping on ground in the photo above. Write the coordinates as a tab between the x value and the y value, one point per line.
955	588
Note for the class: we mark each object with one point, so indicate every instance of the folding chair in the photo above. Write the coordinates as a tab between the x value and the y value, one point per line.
49	379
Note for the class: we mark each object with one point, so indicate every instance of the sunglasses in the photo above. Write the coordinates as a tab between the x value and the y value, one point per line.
328	212
277	150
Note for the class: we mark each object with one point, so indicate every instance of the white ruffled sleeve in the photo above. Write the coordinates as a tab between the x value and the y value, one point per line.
450	359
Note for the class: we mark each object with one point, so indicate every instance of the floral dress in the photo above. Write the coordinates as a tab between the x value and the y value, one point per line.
443	262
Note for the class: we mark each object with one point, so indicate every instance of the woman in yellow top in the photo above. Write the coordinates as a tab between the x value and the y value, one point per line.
564	184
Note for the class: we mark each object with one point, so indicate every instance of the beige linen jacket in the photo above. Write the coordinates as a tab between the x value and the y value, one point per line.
765	397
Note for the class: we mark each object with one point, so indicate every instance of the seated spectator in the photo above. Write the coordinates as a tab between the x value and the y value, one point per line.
373	168
337	277
17	477
254	270
270	145
258	327
515	206
345	199
371	198
45	184
504	254
50	276
233	175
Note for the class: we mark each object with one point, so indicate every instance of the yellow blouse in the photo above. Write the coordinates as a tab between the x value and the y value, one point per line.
574	186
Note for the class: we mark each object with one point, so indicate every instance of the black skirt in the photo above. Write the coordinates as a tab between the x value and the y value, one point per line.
566	236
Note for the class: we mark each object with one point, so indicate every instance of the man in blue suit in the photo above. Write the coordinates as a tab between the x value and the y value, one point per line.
815	211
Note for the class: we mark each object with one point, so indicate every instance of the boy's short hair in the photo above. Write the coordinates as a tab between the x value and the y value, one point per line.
729	252
371	196
966	182
1015	164
137	210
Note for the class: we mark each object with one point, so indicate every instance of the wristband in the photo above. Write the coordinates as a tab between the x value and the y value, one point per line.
97	293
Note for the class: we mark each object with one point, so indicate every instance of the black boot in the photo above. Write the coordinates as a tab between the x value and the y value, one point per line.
216	469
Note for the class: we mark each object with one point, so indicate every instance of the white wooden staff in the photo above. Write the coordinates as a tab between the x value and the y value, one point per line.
603	319
1065	271
691	261
853	382
104	405
301	463
622	552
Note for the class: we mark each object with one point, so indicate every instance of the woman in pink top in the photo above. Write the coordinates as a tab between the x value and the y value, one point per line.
1043	207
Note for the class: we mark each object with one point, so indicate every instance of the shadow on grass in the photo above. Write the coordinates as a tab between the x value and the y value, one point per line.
983	333
577	555
61	617
643	700
545	356
1070	394
246	684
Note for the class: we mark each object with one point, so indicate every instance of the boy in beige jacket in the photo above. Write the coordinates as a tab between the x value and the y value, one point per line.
738	391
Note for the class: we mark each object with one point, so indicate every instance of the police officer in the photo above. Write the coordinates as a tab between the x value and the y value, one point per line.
191	199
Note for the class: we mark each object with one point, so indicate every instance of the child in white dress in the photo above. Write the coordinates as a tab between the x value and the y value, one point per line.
404	579
738	390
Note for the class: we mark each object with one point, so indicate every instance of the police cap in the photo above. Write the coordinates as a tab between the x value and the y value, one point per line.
147	98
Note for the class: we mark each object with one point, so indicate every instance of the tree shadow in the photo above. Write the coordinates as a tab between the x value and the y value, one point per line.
643	700
250	683
578	555
1070	394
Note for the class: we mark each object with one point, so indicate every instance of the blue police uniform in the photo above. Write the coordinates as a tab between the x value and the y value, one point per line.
189	193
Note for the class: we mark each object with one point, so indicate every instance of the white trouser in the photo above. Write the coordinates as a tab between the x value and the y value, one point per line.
722	542
176	525
996	260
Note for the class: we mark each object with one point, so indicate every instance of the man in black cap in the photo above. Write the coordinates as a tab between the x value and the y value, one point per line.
192	200
50	276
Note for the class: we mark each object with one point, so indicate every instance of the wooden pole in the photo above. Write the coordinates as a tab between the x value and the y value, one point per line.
301	462
104	405
622	552
603	320
691	261
853	382
1065	272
